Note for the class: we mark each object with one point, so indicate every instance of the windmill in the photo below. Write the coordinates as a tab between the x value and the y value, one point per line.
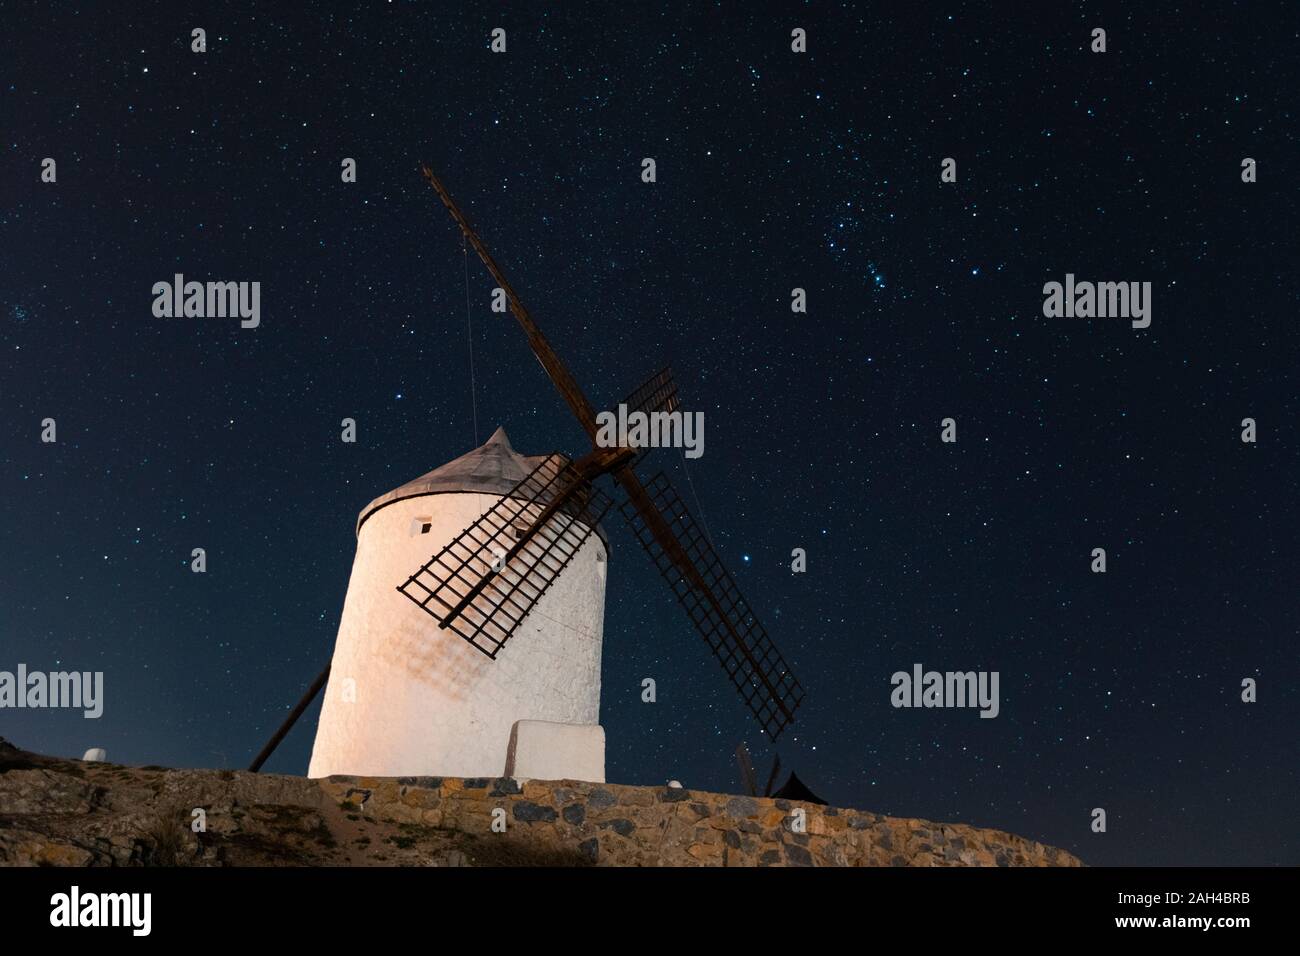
792	789
483	584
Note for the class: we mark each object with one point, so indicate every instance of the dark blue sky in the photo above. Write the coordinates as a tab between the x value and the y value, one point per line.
775	170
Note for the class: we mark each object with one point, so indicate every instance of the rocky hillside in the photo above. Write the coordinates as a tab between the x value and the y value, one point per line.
70	813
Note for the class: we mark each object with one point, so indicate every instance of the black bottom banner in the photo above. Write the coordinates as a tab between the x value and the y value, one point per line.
365	904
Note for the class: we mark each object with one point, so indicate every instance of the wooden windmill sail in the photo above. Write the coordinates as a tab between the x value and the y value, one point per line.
483	584
497	598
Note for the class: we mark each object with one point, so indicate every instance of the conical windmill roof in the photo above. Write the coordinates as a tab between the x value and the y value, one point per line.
493	468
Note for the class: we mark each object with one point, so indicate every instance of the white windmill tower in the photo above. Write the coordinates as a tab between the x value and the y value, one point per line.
406	697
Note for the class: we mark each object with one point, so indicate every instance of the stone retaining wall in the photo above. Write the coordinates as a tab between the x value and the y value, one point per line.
70	813
612	825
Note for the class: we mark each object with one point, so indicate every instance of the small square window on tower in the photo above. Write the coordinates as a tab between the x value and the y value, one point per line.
421	525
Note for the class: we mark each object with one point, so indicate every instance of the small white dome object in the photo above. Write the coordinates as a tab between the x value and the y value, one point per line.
96	755
674	785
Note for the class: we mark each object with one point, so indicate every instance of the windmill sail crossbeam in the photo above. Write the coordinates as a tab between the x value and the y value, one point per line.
488	578
657	394
721	614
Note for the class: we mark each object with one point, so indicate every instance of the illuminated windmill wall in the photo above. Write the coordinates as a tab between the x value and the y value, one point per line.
406	697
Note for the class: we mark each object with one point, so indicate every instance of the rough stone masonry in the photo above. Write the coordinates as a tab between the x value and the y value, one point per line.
67	812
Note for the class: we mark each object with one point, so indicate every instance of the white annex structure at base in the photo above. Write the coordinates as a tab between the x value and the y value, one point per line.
541	750
408	698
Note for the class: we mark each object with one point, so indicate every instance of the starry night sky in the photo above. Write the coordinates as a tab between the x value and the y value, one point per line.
775	171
